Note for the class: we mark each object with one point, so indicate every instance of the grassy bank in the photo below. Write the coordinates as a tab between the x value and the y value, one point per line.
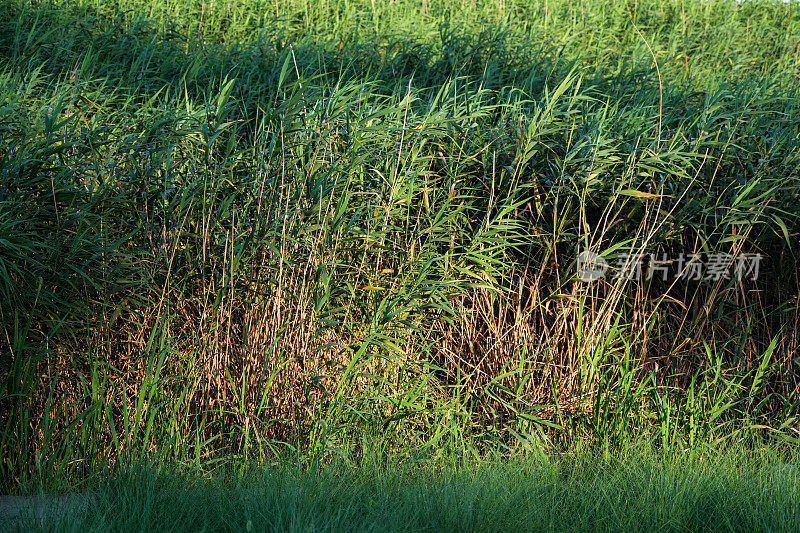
234	230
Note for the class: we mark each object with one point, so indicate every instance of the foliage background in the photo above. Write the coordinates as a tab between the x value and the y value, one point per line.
231	229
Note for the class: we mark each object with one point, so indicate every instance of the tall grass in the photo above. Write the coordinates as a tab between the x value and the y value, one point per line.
231	229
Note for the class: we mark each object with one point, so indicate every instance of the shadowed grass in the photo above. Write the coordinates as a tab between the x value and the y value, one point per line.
734	491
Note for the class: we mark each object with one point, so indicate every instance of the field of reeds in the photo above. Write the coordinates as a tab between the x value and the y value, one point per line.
236	230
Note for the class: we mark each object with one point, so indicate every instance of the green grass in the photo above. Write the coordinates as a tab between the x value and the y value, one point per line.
235	231
628	492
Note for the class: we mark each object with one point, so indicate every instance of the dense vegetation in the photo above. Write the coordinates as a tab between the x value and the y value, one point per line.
237	229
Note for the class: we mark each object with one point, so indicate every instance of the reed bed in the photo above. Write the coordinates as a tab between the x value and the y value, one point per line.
241	229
